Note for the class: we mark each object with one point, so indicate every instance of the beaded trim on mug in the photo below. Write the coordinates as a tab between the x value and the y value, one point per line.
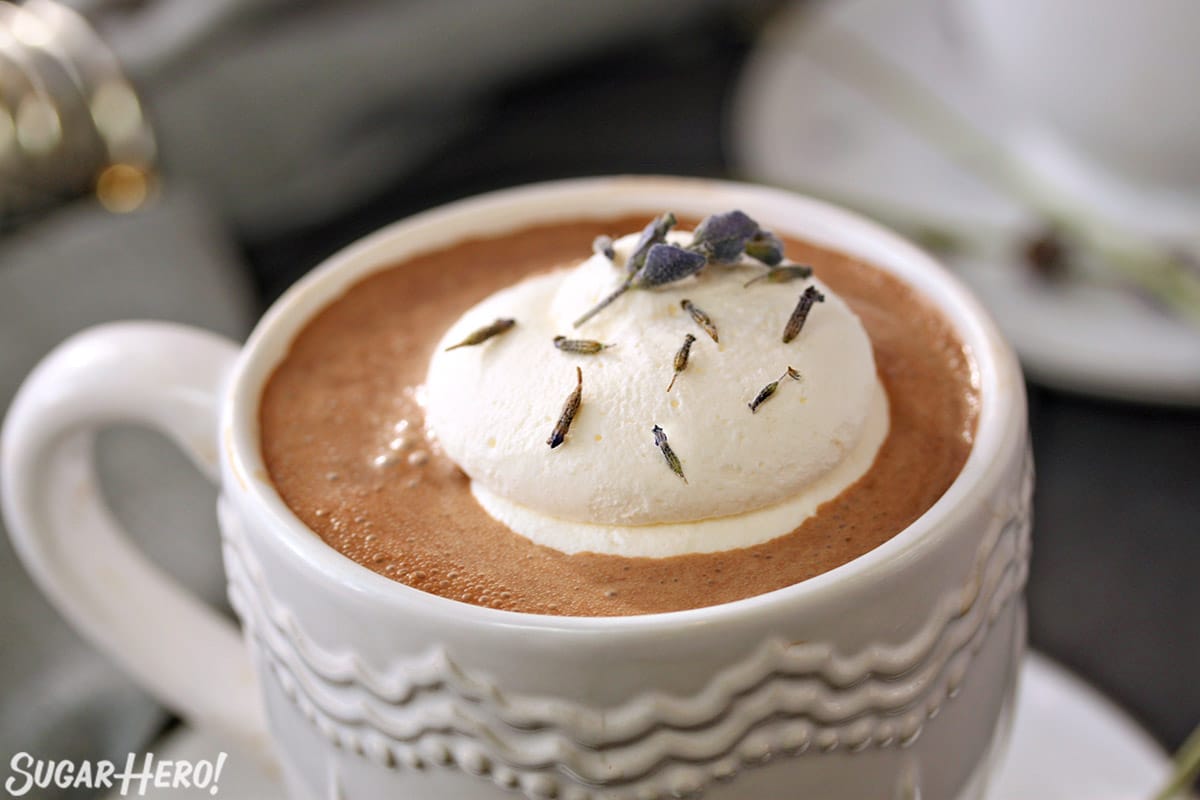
784	698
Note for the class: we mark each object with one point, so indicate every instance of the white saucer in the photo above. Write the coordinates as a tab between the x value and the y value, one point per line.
800	121
1068	741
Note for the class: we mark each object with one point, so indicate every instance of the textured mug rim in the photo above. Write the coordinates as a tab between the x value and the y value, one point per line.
999	425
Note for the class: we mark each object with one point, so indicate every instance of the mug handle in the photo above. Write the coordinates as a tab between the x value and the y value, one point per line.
169	378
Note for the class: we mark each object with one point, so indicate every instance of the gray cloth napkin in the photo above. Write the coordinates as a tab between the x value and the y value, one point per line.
61	699
284	111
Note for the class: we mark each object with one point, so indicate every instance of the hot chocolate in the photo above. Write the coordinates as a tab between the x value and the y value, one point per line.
342	426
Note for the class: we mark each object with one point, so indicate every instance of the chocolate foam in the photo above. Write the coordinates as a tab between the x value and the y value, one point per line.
341	431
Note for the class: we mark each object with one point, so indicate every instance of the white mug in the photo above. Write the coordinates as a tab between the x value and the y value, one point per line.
1114	79
891	676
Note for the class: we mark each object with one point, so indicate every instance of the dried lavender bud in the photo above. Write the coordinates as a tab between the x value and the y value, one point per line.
681	358
800	314
667	263
783	274
654	233
701	319
722	238
767	391
765	246
584	346
569	410
1047	255
660	441
604	246
483	334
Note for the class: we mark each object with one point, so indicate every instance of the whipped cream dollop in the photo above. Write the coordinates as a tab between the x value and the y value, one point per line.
608	488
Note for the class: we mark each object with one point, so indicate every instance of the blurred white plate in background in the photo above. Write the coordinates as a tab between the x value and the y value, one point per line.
801	120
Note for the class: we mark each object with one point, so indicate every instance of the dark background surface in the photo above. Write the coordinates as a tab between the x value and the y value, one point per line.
1113	591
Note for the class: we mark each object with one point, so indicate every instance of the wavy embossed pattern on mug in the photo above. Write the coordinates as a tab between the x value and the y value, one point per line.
783	699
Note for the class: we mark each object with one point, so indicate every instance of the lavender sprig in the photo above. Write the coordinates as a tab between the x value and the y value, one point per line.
654	233
722	238
665	263
766	247
1121	251
718	239
785	274
605	302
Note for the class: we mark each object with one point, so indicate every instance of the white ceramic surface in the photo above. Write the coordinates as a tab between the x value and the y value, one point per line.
893	674
59	274
1068	741
1115	80
803	118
